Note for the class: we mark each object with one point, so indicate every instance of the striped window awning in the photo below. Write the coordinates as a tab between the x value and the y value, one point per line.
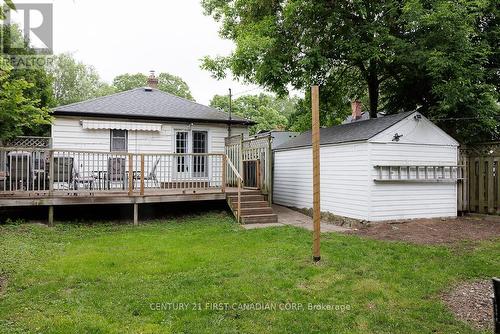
116	125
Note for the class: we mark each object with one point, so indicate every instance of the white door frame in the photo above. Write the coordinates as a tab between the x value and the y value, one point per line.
189	163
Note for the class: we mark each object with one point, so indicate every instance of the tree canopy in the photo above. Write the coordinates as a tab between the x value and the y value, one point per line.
25	92
166	82
19	111
269	112
436	55
75	81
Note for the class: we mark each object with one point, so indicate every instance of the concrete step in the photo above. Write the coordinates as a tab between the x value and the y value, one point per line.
255	211
246	198
260	219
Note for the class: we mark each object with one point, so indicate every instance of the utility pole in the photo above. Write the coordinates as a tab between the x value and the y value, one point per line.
230	113
316	173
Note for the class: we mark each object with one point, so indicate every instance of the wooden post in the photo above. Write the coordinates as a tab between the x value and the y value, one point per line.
51	215
238	216
482	176
240	157
269	170
142	174
51	172
224	173
316	173
130	174
136	214
491	186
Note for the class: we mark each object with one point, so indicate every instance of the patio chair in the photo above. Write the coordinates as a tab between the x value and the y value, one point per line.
40	171
19	169
86	181
63	173
151	176
116	172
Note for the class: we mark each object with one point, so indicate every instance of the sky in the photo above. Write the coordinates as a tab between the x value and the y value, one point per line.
124	36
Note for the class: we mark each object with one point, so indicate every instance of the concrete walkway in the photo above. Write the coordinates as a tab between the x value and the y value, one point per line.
291	217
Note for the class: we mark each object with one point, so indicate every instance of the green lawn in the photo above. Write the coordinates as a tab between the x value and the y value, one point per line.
108	278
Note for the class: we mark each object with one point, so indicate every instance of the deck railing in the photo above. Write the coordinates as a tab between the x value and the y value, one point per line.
40	171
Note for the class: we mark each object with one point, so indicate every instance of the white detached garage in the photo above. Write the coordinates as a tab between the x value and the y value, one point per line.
395	167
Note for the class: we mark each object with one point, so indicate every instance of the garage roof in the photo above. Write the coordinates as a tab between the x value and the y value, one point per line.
356	131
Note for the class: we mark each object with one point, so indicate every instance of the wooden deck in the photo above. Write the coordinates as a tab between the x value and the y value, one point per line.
85	198
80	198
52	177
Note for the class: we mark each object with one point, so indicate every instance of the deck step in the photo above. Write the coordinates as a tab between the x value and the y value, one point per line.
255	211
246	198
251	204
244	192
260	219
254	208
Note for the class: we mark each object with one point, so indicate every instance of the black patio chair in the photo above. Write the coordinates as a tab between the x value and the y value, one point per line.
19	170
63	172
116	172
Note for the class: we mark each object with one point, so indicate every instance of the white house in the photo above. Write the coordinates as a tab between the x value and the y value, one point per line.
395	167
179	140
143	120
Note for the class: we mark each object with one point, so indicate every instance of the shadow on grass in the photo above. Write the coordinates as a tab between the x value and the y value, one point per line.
117	214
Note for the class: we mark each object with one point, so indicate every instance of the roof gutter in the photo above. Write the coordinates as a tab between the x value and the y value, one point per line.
153	118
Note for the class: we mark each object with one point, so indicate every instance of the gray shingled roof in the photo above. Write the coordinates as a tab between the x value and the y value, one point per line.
356	131
140	103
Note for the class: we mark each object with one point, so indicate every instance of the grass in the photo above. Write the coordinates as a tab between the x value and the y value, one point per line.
109	278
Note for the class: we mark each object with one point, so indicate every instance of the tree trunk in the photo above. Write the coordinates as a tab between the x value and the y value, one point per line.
373	90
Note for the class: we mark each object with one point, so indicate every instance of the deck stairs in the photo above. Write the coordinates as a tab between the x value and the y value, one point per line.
255	209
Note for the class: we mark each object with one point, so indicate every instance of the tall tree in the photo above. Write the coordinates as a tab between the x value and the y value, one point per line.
19	112
9	5
30	87
400	54
74	81
268	111
166	82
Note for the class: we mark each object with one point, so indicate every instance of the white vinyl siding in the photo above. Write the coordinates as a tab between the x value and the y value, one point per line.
68	134
391	201
344	178
348	172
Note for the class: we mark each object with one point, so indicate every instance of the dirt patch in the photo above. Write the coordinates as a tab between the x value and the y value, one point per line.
434	231
471	302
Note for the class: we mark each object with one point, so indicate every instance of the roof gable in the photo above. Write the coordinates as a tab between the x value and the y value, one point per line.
141	103
415	130
356	131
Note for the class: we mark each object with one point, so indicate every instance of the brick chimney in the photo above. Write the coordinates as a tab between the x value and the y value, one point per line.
356	110
152	80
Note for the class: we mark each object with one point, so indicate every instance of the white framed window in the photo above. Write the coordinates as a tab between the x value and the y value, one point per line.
119	139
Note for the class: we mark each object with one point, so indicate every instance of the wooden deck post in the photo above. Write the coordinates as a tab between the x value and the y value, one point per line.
130	174
316	173
269	170
240	157
142	174
136	214
51	215
224	172
51	172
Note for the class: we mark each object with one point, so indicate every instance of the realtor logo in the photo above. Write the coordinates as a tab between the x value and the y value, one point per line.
35	20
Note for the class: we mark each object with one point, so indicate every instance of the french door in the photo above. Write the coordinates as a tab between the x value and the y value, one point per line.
191	166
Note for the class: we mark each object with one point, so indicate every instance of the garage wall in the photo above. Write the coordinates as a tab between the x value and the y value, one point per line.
344	179
391	201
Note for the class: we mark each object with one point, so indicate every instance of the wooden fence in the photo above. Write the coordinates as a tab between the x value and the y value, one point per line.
479	191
